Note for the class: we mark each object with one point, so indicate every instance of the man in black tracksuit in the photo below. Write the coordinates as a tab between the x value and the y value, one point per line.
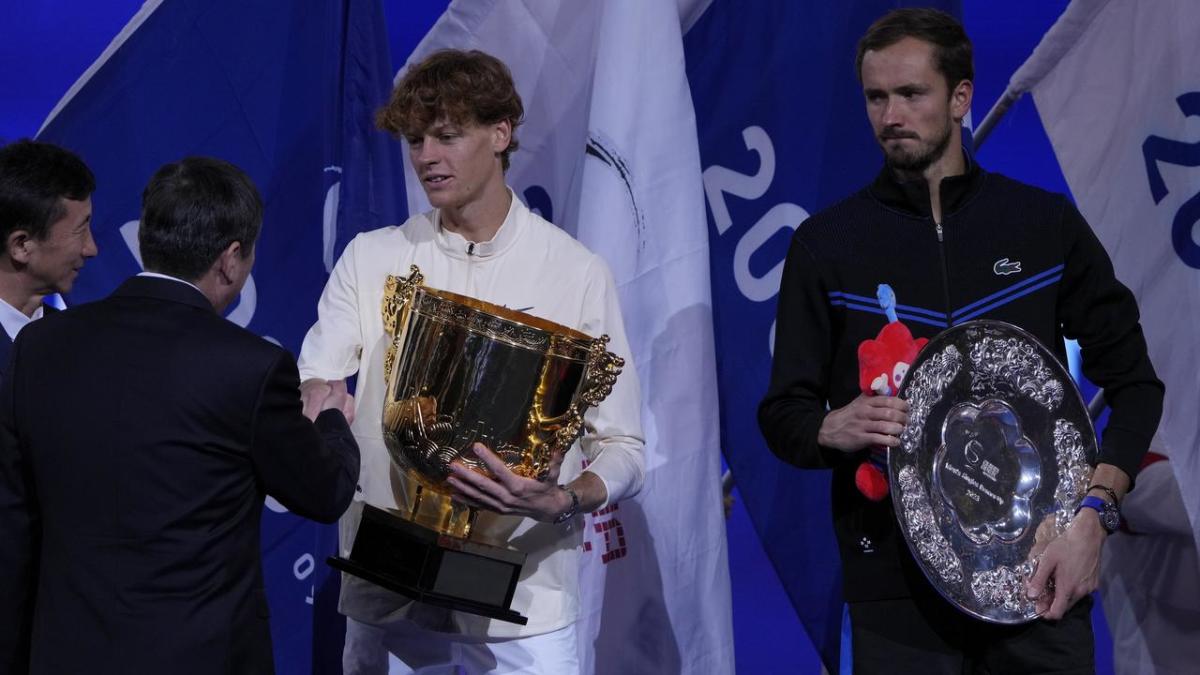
955	243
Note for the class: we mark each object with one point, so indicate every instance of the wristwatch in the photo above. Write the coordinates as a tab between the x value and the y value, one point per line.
572	509
1110	514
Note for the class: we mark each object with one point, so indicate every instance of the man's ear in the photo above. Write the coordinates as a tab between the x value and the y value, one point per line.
960	100
19	246
501	136
228	261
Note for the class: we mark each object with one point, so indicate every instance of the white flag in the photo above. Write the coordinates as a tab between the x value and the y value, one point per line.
609	153
1119	95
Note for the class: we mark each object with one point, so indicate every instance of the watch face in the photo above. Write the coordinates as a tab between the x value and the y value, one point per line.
1110	518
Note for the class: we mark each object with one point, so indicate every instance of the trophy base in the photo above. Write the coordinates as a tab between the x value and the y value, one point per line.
432	568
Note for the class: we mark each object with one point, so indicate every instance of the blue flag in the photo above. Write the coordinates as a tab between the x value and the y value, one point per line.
287	94
783	133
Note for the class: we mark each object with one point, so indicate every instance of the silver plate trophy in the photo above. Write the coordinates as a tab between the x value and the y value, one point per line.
994	461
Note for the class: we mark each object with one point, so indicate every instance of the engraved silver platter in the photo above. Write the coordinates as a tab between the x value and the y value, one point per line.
992	465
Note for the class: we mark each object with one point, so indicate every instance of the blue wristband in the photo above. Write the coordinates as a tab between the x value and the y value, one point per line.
1110	516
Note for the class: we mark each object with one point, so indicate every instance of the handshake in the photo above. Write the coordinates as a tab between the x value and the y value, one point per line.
318	395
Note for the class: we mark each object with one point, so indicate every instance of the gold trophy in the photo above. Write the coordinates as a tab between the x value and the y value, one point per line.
461	371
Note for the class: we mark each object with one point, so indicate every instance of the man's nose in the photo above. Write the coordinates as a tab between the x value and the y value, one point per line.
426	153
892	113
90	250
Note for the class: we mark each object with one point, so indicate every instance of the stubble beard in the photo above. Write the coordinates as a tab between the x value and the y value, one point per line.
914	163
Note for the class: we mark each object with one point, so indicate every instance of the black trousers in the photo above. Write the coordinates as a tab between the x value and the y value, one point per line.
925	634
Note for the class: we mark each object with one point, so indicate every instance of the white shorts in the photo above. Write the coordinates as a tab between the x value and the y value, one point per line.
405	648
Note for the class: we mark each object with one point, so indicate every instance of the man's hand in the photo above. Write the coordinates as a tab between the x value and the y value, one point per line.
318	395
340	399
864	422
1072	561
509	493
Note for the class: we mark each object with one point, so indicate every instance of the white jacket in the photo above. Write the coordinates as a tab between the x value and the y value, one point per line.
530	265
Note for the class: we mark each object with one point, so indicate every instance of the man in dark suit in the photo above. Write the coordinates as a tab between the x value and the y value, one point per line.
138	438
45	231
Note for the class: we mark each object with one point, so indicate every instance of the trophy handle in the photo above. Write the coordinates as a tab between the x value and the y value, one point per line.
599	376
398	293
603	367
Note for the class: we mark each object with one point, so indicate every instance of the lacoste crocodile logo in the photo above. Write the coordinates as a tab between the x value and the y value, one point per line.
1004	267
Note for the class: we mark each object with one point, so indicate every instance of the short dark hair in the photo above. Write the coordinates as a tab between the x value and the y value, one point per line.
952	51
35	177
192	210
465	87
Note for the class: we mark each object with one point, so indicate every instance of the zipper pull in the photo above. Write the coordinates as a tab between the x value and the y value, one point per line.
471	245
939	231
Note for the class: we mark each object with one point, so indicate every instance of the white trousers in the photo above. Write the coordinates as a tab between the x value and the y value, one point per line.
405	649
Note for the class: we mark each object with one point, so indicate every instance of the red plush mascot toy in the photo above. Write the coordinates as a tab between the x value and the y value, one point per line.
882	364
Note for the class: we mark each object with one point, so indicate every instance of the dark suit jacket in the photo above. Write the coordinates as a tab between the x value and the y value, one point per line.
6	341
138	437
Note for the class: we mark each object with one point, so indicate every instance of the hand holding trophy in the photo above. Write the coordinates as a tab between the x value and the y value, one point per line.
991	469
507	493
461	374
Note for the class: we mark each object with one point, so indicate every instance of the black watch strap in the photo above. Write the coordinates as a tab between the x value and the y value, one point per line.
1112	495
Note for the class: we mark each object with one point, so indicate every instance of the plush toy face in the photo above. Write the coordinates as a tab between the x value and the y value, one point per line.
885	384
898	372
883	362
882	365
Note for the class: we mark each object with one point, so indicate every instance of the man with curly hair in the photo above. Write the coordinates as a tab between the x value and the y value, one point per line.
458	112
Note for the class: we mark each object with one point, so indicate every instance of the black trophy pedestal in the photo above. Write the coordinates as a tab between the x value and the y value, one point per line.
435	569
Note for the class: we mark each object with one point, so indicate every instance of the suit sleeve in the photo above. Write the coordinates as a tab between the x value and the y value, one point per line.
795	405
312	469
19	534
1102	314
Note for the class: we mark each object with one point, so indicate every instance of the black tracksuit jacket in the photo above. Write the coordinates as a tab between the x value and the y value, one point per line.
1004	251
